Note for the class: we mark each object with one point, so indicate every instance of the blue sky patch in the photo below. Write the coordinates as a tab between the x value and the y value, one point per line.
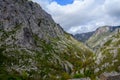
64	2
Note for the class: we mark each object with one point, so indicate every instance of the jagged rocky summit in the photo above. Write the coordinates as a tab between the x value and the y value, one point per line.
34	47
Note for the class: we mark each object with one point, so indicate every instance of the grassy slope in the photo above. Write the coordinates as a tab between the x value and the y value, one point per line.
62	58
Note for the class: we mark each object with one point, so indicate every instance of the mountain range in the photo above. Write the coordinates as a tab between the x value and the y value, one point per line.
34	47
83	36
94	39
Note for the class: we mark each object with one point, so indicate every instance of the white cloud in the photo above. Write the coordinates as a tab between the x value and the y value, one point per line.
71	14
113	7
83	15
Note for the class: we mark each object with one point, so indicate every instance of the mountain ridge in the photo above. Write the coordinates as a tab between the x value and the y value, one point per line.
34	47
85	36
100	35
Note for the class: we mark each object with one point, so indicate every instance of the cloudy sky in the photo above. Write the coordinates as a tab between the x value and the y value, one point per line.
79	16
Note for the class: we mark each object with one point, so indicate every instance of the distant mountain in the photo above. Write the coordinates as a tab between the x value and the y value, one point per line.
99	36
83	36
34	47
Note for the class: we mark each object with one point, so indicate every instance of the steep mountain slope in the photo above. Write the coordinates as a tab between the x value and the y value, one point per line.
106	45
34	47
108	55
83	36
93	39
99	36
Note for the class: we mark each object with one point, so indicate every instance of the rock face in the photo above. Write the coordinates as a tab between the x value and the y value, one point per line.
81	79
34	47
110	76
31	20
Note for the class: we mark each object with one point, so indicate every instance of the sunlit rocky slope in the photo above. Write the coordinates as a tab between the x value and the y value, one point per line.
105	42
108	55
100	36
95	38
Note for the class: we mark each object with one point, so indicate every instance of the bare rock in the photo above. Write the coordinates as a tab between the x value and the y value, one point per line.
110	76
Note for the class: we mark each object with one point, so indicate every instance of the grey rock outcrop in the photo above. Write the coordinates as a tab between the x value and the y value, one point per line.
81	79
110	76
34	47
29	19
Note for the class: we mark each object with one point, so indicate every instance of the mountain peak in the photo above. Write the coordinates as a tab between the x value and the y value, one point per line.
31	20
